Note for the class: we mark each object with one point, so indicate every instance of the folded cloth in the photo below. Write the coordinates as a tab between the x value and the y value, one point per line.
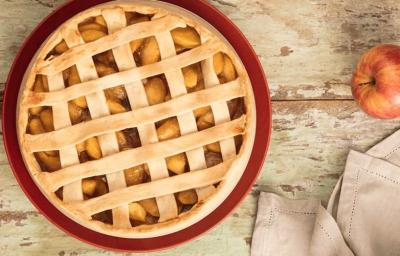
364	205
368	211
295	227
388	149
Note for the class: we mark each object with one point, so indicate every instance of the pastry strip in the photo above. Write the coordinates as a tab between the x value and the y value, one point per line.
220	109
108	142
103	125
34	99
136	156
187	121
113	40
138	100
68	155
143	115
142	191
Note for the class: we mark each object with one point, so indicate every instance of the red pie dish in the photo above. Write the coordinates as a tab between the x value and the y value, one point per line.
136	125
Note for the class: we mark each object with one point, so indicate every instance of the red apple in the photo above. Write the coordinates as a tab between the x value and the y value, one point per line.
376	82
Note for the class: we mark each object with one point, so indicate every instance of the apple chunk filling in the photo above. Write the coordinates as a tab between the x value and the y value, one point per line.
145	51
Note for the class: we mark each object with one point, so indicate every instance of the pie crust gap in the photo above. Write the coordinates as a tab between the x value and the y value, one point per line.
136	119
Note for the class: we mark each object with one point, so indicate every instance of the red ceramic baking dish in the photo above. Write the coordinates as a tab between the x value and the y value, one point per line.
262	136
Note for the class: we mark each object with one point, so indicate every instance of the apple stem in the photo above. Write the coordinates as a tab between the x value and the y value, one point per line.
367	83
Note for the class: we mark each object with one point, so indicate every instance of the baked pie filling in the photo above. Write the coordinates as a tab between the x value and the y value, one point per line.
134	116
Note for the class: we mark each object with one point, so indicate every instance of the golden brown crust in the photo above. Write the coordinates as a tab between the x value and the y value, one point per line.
120	37
142	191
75	134
33	99
136	156
212	43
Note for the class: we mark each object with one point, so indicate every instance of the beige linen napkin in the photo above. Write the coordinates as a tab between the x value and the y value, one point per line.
295	227
365	204
368	210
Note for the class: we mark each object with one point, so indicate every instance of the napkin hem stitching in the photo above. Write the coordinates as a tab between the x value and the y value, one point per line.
354	201
294	212
381	176
392	152
325	232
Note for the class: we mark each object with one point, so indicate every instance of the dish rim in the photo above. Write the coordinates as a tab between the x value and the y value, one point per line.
264	115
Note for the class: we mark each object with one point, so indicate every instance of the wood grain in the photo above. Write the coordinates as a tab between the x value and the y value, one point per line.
308	49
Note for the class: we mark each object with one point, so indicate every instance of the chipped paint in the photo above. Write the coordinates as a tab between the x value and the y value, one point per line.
26	244
16	217
311	92
286	51
247	240
308	49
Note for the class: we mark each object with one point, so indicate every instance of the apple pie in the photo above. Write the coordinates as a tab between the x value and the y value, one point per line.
136	118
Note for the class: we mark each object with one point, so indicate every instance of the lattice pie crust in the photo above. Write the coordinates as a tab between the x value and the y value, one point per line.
136	118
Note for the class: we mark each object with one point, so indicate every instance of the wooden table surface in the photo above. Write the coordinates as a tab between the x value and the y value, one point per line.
308	49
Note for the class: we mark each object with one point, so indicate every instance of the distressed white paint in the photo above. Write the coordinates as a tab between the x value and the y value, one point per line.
308	49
